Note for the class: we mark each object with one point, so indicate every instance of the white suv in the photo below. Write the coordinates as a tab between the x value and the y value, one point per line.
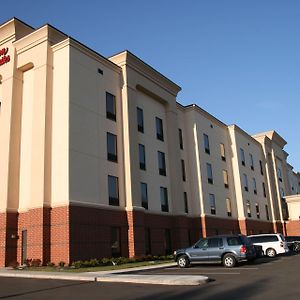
272	244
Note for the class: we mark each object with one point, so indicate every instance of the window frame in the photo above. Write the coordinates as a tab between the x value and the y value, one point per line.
112	156
111	115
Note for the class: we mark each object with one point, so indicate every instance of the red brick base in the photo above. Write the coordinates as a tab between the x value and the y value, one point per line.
73	233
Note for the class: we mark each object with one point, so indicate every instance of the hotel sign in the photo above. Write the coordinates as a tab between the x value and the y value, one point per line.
4	58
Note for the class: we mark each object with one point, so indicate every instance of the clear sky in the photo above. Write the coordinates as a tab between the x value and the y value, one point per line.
237	59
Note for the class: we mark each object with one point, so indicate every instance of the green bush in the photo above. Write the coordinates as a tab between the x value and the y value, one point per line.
61	264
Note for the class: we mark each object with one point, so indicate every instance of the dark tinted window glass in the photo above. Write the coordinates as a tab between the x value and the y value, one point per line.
112	147
161	163
203	243
159	129
113	190
140	119
215	242
144	195
180	138
110	106
115	242
206	143
164	199
142	157
234	241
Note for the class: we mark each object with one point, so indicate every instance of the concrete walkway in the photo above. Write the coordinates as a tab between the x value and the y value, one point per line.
123	275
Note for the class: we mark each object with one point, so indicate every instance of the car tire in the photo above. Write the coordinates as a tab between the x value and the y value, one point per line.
296	247
183	261
229	261
270	252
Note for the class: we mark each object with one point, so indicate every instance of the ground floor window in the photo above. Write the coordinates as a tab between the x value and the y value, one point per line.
115	242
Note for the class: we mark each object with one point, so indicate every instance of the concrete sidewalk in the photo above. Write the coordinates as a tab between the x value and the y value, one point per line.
123	275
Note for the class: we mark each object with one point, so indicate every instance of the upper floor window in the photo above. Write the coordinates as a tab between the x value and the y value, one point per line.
161	163
279	174
222	150
142	157
164	199
251	161
225	178
248	208
112	147
245	179
254	186
206	143
183	170
144	195
261	168
257	210
186	208
242	154
267	212
140	119
209	173
159	129
113	190
264	189
180	139
110	106
212	203
228	207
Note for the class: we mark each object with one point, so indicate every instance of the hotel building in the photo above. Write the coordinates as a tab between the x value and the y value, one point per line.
98	159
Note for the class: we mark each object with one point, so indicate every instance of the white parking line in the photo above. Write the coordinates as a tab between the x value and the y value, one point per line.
221	273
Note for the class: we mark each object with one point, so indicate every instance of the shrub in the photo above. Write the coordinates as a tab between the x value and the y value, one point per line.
50	264
106	261
61	264
77	264
36	262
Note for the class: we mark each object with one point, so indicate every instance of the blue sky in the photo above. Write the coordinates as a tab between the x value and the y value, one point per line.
237	59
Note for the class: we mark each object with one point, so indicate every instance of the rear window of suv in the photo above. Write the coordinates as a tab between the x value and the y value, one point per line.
264	239
234	241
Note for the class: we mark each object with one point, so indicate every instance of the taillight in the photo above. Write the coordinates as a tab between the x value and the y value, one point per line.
243	249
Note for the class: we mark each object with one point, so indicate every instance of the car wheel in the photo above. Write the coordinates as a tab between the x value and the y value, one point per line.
296	247
270	252
229	261
183	261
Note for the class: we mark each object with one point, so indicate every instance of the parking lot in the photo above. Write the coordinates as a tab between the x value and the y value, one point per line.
275	278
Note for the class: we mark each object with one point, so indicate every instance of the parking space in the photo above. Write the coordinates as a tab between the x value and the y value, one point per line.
212	270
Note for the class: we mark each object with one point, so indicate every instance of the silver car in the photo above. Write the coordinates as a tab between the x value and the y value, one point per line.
226	249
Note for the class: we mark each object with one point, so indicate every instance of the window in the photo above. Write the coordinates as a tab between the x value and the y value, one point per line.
113	190
180	139
279	174
215	242
206	143
159	129
242	154
225	178
254	186
261	168
112	147
209	173
110	106
144	195
228	207
264	189
248	208
186	209
161	163
142	157
257	210
140	119
267	212
282	193
183	170
245	178
164	199
222	150
147	241
251	161
212	203
168	242
115	242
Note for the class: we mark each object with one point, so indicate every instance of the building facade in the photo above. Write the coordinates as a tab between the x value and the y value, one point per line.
98	159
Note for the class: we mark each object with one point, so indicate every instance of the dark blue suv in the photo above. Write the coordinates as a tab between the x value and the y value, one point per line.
226	249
